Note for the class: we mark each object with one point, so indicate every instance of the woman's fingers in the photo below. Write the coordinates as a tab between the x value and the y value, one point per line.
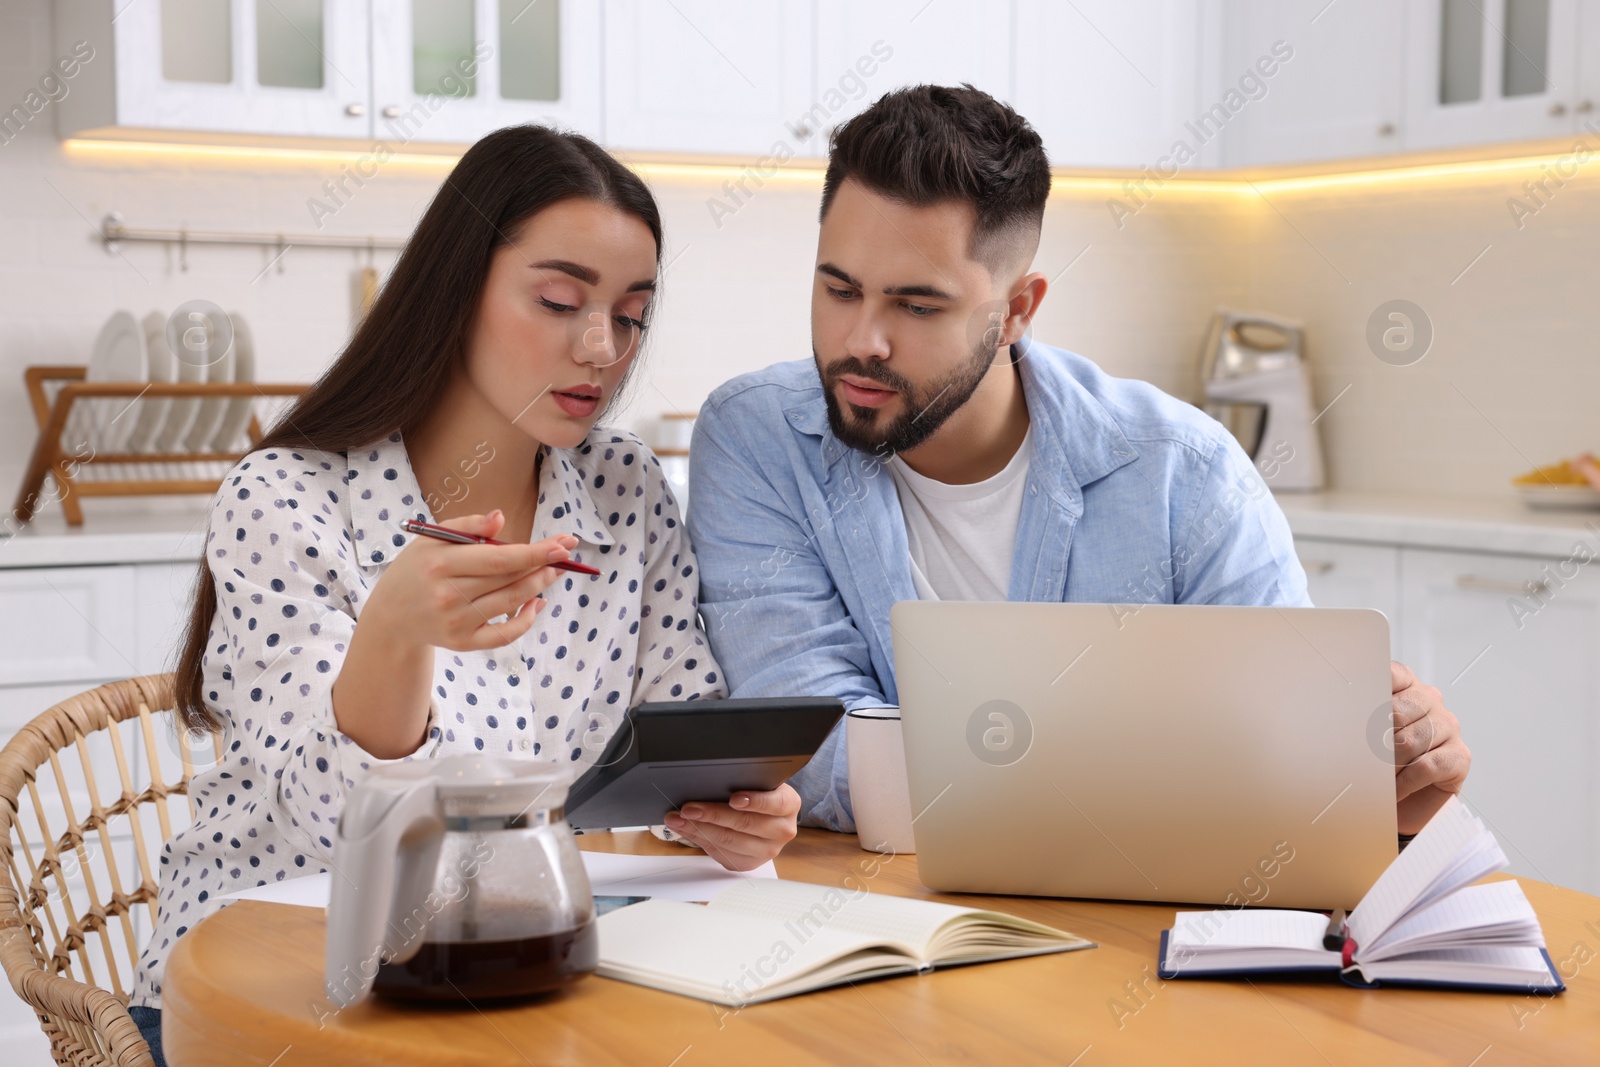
509	560
470	575
502	632
744	833
507	599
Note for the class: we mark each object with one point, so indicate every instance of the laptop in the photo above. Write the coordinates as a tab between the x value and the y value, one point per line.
1194	754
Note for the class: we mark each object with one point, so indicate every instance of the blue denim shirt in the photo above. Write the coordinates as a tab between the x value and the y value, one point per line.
1132	496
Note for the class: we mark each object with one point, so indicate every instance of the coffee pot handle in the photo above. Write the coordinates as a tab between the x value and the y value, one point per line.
384	861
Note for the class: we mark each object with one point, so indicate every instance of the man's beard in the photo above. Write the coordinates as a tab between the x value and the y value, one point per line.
925	410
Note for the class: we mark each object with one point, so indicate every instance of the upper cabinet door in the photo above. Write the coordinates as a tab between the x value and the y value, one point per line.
243	66
1490	70
1588	95
1335	83
865	50
1110	83
454	70
720	77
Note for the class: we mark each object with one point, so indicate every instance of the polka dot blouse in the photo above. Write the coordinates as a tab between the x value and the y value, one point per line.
297	542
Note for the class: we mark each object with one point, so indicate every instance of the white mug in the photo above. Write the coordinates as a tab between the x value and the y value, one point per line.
879	795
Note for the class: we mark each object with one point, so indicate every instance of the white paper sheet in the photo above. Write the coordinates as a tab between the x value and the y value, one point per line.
689	877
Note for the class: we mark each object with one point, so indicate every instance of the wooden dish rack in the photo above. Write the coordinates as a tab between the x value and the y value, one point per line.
52	459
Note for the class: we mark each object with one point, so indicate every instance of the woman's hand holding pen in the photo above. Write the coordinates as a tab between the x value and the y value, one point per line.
444	595
435	595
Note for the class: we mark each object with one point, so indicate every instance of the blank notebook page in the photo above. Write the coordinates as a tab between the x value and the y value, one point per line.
713	947
1270	928
805	907
1476	906
1433	850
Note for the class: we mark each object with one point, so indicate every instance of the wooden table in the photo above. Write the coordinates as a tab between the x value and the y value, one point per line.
245	987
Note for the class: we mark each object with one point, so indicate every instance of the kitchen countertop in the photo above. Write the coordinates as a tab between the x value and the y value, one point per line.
113	531
171	530
1469	524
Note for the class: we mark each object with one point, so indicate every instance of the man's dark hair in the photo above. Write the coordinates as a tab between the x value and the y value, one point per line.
928	144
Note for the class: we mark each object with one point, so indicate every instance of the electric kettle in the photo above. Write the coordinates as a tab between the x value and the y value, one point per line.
458	877
1258	385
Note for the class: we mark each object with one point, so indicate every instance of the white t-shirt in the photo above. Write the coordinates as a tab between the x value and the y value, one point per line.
961	536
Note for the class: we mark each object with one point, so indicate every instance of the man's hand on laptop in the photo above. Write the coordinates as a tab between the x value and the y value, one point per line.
744	833
1430	759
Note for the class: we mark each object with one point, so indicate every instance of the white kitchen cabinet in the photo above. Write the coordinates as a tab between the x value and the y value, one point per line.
163	593
1112	83
1338	94
454	70
1480	71
61	624
709	76
1588	91
865	50
1514	643
1343	574
396	70
292	67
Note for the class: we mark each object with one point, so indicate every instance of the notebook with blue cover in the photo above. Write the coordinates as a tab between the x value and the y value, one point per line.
1423	923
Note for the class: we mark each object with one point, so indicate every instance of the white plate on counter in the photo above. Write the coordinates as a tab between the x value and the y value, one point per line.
1559	497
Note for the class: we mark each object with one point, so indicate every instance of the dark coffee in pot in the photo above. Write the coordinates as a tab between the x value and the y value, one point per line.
447	971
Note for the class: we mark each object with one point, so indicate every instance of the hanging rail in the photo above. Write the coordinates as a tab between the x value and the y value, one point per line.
113	230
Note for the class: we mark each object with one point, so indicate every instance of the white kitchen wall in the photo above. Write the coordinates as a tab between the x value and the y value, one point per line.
1512	380
735	296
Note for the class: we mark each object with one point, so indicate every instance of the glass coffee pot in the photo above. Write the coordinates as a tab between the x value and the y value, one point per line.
458	877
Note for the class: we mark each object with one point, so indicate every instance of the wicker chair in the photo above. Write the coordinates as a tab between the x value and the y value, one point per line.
78	895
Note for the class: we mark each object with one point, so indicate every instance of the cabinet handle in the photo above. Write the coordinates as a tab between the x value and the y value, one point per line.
391	112
1386	130
1557	110
1584	107
1492	585
1317	566
355	111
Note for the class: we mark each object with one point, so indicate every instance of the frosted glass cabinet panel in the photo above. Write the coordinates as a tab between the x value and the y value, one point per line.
453	70
393	70
289	43
442	34
294	67
196	41
1481	71
530	31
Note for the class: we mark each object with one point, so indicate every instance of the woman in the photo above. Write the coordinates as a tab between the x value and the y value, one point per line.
325	640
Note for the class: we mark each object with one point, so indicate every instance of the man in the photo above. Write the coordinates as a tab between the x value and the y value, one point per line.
931	449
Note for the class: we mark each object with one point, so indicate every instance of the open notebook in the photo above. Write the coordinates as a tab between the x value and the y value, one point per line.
761	940
1422	923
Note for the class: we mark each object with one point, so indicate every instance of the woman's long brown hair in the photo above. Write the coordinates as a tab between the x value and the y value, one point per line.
402	355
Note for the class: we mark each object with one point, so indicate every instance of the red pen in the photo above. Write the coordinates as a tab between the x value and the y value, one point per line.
444	533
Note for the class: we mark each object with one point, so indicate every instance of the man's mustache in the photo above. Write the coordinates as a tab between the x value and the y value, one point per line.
871	371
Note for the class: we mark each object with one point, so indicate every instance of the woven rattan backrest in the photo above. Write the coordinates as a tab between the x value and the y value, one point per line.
90	790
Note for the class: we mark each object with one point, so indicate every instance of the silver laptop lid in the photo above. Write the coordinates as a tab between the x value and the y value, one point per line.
1211	755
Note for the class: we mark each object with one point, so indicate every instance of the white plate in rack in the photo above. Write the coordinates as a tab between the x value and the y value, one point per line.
181	414
231	430
104	424
212	409
162	367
